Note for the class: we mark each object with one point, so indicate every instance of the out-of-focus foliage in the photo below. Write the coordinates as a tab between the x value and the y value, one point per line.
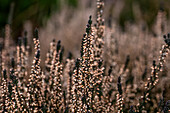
73	3
148	10
38	11
27	9
4	9
127	13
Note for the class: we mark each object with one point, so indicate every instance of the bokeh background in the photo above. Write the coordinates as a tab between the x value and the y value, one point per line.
16	12
66	20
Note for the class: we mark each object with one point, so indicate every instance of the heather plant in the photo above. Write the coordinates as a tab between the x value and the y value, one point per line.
84	84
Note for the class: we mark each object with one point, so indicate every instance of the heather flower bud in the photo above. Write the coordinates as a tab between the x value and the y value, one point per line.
36	33
58	46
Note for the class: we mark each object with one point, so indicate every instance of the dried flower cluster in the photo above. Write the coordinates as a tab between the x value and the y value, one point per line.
74	86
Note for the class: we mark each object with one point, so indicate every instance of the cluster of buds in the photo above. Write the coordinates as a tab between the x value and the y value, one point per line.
54	79
67	82
119	96
4	92
82	81
100	6
21	61
109	84
33	87
153	79
99	31
77	89
50	55
87	76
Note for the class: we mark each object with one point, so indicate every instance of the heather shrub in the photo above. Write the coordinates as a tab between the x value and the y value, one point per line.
103	78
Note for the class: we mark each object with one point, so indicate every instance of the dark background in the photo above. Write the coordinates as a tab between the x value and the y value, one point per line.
15	12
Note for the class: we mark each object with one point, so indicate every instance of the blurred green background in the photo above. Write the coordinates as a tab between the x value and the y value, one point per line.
15	12
149	10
